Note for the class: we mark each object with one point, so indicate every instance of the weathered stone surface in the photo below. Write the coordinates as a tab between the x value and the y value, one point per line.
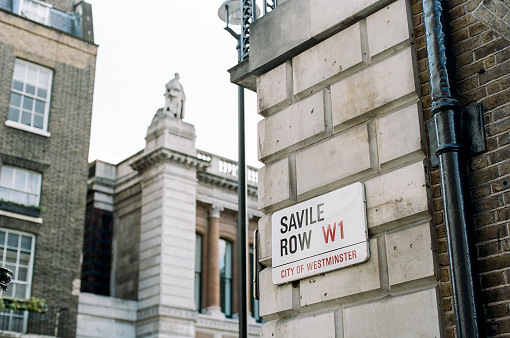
268	329
276	301
326	13
274	183
274	89
320	324
344	282
397	195
410	254
332	160
265	240
388	27
315	325
373	87
100	316
297	123
398	135
411	315
325	59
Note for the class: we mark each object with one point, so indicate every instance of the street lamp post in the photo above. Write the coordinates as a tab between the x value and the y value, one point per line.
230	12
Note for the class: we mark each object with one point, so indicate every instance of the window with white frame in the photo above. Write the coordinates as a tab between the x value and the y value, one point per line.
17	255
35	10
225	253
20	186
30	96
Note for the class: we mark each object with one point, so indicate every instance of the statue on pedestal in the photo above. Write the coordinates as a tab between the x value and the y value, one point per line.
175	98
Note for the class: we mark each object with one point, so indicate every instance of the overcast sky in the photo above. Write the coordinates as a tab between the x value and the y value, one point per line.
141	45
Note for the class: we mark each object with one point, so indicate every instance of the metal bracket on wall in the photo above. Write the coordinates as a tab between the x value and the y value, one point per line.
257	267
472	132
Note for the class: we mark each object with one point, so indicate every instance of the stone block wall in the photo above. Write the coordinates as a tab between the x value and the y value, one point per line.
347	109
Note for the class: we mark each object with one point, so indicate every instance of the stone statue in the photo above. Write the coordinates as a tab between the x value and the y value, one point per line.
175	98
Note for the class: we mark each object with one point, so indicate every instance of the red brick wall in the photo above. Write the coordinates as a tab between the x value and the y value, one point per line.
482	60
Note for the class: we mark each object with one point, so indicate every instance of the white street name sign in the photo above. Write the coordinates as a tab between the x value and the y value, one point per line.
325	233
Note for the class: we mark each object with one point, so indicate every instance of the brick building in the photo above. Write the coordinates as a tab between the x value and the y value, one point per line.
160	249
47	67
410	98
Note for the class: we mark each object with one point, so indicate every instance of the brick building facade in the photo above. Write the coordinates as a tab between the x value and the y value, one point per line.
47	67
347	89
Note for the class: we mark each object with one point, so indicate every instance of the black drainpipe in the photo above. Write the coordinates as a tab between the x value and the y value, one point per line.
451	153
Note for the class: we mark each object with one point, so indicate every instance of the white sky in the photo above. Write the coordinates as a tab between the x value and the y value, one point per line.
141	45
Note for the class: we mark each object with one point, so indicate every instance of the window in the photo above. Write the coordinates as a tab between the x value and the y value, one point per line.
30	97
17	255
198	272
35	10
20	186
225	253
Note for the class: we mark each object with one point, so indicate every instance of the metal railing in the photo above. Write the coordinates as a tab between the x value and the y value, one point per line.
52	323
46	14
269	5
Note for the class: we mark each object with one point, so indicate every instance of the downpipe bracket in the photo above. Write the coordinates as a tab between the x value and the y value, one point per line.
472	133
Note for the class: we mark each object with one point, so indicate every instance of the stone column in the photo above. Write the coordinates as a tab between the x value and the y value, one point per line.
213	269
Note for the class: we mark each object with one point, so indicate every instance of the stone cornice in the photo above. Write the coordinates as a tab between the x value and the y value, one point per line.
224	182
167	155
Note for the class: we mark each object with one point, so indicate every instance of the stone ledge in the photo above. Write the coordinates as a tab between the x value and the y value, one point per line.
306	24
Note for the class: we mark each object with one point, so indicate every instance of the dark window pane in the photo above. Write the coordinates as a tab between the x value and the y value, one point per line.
13	114
24	258
15	99
22	274
18	85
10	256
38	121
39	106
42	93
20	291
12	240
26	243
26	118
30	89
28	103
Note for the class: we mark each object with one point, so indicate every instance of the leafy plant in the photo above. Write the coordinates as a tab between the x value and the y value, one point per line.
33	304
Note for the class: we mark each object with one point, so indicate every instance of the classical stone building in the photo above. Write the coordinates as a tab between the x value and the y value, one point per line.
160	247
47	67
410	98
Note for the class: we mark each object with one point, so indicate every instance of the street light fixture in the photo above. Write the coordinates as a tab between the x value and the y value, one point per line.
231	12
5	278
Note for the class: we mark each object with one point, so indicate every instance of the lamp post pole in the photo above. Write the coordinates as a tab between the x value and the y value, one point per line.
242	238
231	12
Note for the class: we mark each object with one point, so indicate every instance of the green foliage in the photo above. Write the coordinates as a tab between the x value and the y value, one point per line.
33	304
35	207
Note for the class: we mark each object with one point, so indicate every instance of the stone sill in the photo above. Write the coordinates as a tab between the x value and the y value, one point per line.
37	220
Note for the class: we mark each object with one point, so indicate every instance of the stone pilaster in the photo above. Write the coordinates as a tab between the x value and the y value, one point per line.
167	237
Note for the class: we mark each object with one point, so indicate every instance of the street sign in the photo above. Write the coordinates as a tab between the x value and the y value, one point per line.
322	234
